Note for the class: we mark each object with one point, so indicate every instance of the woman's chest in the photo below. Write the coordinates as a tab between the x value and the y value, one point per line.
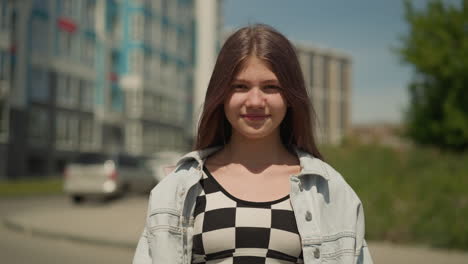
227	228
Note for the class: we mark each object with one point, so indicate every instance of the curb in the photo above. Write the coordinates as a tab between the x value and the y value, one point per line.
14	226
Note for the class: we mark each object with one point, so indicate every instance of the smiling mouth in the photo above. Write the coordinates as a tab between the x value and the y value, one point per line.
255	117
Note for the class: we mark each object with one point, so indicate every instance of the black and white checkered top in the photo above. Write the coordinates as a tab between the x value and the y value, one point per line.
229	230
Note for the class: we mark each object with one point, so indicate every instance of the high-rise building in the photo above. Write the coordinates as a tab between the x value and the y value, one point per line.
93	76
7	50
327	75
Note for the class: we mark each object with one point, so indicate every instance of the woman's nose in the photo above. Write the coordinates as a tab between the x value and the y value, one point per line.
255	98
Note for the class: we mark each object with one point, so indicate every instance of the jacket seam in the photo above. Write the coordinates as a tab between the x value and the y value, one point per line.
323	239
338	253
165	211
325	169
166	227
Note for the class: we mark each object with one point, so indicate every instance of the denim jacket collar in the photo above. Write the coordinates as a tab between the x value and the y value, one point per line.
309	164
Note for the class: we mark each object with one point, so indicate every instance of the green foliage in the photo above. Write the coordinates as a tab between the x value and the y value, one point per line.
417	196
31	187
437	47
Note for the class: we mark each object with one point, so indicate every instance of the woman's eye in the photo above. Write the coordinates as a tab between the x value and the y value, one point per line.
239	87
272	88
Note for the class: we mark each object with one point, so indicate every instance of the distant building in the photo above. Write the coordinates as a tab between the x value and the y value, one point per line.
93	75
327	74
208	43
7	50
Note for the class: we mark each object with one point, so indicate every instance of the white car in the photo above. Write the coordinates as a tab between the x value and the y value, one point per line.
96	174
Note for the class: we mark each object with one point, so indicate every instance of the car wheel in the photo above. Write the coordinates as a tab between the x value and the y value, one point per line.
77	199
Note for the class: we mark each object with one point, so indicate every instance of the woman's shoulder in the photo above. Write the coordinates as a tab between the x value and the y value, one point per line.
176	175
338	185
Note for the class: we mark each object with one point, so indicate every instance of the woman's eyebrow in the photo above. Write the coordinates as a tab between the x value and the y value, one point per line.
275	81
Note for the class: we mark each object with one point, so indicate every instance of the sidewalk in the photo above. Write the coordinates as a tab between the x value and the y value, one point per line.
120	224
115	224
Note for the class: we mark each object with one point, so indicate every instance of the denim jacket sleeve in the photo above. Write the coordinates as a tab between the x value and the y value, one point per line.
361	250
142	253
364	255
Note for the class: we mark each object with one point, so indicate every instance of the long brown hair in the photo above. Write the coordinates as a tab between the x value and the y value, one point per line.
267	44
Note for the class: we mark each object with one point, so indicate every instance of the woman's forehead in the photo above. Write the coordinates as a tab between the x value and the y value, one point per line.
255	69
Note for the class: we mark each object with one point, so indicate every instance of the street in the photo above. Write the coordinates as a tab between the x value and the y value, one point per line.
18	247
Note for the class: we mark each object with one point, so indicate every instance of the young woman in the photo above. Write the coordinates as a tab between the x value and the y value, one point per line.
256	188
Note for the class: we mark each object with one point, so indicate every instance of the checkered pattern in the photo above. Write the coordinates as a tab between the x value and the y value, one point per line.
230	230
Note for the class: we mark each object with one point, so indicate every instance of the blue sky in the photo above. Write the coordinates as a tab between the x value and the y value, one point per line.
365	29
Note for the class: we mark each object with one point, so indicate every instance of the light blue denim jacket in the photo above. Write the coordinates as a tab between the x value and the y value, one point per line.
329	215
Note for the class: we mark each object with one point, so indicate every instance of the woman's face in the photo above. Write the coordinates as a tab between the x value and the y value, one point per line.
255	107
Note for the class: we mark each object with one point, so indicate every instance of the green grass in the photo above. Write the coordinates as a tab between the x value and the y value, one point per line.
29	187
414	196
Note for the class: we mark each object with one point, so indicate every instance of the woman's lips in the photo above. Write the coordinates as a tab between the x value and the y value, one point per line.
255	117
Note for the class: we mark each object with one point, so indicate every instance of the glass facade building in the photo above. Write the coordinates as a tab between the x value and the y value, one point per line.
93	76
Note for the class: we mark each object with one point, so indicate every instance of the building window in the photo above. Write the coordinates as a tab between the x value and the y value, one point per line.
148	104
3	66
139	2
133	103
41	4
67	91
66	129
136	61
75	42
116	29
86	97
164	76
325	107
171	39
138	26
39	34
317	71
156	36
156	69
38	125
157	105
312	71
39	85
65	43
86	134
3	119
148	30
67	8
148	71
156	5
5	15
149	142
164	37
87	51
326	72
184	15
133	137
172	10
61	89
89	13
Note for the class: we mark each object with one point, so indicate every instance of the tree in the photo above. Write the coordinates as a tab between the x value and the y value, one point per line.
437	48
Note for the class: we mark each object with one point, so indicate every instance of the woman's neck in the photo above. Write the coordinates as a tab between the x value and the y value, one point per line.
257	152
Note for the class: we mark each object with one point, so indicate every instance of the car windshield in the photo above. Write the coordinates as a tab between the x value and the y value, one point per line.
91	158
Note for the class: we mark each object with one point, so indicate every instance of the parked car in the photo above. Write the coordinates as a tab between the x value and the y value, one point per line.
103	175
163	162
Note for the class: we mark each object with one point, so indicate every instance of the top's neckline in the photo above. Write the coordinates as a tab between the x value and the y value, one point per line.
252	203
